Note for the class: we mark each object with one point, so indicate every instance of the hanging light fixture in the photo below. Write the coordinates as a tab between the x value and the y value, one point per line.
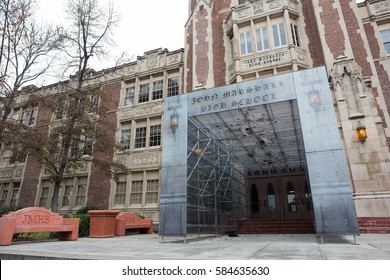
361	132
174	122
314	99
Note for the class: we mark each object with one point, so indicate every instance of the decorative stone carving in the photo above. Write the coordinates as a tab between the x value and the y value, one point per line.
347	82
243	13
173	59
18	173
6	174
274	4
382	7
258	6
293	4
141	111
146	159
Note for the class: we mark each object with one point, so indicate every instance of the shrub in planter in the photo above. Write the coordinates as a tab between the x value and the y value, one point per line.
7	209
85	209
84	224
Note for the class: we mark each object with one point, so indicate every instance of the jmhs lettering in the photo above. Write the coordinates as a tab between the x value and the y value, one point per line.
36	219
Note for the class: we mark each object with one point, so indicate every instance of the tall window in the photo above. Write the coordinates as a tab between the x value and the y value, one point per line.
279	33
295	35
262	41
143	93
385	34
4	195
173	86
80	195
136	192
120	193
129	96
32	116
67	196
125	139
271	199
44	198
245	43
152	191
157	90
28	117
155	136
15	194
140	137
291	200
88	145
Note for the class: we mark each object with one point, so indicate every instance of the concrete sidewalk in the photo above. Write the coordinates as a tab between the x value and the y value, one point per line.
150	247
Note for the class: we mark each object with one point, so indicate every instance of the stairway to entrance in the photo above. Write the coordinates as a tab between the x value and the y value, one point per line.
291	226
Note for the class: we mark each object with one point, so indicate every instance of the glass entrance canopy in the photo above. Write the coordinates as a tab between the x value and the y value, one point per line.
213	138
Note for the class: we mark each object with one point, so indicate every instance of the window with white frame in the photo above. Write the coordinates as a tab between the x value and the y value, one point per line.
44	197
143	95
129	96
157	90
88	145
231	42
120	193
245	43
385	34
151	191
125	139
81	195
4	194
67	195
295	35
14	194
173	86
136	191
155	135
262	39
140	137
75	147
28	117
279	34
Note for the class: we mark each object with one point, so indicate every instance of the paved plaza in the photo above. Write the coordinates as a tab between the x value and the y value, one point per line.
243	247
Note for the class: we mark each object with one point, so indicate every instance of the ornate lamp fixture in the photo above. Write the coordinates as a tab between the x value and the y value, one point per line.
361	132
314	99
174	123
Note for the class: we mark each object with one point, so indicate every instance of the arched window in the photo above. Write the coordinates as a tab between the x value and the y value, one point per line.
291	199
271	199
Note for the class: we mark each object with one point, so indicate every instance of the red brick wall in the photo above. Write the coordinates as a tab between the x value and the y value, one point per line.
99	184
383	76
311	28
202	47
352	25
219	50
334	35
28	191
189	57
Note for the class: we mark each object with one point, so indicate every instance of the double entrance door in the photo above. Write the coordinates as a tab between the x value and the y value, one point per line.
285	197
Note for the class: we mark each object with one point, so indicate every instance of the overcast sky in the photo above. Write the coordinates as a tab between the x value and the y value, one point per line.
145	25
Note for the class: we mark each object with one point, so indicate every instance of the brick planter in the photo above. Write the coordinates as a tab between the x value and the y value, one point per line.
102	223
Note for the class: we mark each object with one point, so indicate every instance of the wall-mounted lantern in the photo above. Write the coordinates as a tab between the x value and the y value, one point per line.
361	132
314	99
174	122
